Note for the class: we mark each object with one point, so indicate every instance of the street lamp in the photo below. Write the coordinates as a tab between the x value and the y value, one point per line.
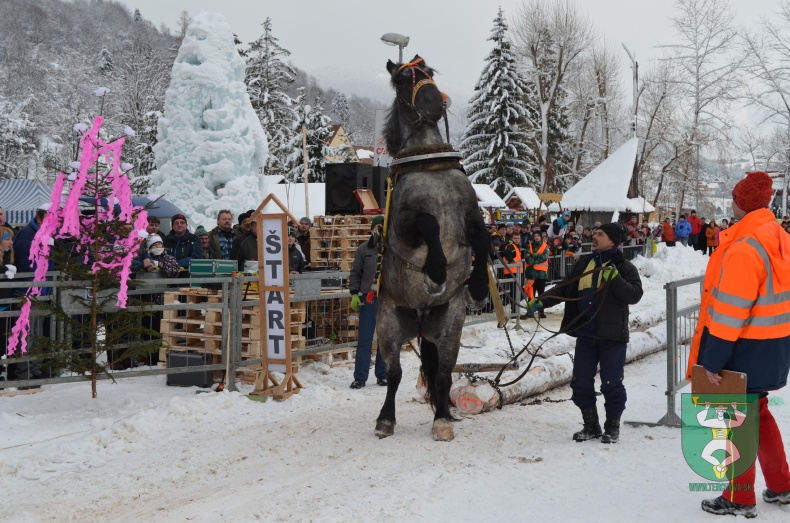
396	39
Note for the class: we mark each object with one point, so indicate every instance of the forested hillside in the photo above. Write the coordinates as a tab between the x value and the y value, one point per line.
53	56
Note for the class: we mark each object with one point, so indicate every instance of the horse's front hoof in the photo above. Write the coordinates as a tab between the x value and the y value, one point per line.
442	430
384	428
433	288
473	304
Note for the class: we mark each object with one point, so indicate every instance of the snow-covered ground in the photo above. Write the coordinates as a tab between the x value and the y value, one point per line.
143	451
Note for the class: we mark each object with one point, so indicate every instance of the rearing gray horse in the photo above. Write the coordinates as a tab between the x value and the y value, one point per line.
434	225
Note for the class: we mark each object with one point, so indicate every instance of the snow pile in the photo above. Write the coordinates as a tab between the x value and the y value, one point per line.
211	147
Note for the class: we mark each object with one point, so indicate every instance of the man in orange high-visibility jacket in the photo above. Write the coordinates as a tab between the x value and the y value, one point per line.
537	270
744	326
511	253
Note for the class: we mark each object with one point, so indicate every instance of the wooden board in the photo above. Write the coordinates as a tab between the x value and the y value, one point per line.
732	382
11	393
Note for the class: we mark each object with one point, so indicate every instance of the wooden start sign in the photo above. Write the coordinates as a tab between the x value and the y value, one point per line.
275	308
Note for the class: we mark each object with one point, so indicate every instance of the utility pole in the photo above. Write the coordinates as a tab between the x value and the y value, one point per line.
633	187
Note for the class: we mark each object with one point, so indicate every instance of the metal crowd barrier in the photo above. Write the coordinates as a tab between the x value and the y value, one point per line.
307	287
681	324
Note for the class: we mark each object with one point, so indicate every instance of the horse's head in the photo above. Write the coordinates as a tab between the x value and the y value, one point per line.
415	88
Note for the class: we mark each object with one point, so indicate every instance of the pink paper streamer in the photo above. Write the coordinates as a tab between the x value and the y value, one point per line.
65	222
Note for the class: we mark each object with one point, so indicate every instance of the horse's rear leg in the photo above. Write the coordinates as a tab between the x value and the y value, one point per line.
481	245
438	376
435	270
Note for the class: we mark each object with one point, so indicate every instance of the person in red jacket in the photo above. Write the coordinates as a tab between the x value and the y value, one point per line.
668	233
744	326
696	227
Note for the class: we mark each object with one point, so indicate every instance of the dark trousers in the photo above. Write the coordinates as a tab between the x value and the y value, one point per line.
367	326
611	356
540	287
694	241
670	244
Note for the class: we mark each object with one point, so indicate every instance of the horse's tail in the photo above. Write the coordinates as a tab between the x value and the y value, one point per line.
429	354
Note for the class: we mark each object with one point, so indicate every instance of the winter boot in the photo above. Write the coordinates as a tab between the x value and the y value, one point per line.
592	428
722	506
611	429
776	497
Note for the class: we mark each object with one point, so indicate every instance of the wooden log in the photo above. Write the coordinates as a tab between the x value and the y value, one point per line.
484	367
477	397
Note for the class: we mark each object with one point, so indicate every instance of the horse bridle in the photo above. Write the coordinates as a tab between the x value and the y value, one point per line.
415	88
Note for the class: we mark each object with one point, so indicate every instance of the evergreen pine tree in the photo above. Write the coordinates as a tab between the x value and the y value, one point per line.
495	140
317	128
105	62
268	76
340	110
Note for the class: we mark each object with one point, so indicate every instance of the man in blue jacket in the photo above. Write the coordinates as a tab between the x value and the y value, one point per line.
182	244
682	230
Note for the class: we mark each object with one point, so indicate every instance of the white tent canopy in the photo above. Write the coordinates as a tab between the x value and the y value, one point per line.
486	197
529	198
605	188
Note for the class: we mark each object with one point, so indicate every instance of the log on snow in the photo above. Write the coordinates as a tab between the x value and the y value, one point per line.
478	397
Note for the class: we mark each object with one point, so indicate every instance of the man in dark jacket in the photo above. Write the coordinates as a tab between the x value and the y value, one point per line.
360	283
220	238
296	261
182	244
246	247
604	285
303	237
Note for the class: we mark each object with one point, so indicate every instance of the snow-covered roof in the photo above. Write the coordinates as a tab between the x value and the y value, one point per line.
605	188
639	204
486	197
529	198
292	196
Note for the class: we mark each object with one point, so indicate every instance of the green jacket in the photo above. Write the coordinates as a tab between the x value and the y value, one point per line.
530	260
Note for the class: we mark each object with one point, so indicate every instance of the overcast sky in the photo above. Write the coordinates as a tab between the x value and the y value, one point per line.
340	40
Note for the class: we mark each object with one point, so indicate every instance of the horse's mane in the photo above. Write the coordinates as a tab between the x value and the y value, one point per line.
392	129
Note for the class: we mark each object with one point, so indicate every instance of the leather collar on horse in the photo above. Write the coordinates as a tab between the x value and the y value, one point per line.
425	158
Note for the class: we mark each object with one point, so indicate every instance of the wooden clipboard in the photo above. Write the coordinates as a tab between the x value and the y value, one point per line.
732	382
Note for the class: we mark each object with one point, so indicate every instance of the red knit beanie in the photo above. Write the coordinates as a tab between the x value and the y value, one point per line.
753	192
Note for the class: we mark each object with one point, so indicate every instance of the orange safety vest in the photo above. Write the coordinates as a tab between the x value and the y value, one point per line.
746	292
515	266
544	265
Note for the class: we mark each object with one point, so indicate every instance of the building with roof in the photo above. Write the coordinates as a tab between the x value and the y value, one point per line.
340	146
602	195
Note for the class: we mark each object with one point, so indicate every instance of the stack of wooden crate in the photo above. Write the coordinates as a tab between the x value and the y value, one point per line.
201	330
335	239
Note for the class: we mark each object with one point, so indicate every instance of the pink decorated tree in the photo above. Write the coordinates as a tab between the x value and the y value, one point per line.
95	245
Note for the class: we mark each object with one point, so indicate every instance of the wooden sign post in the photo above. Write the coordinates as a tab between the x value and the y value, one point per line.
275	306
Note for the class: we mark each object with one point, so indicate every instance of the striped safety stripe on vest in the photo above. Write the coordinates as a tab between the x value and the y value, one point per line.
735	317
544	265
